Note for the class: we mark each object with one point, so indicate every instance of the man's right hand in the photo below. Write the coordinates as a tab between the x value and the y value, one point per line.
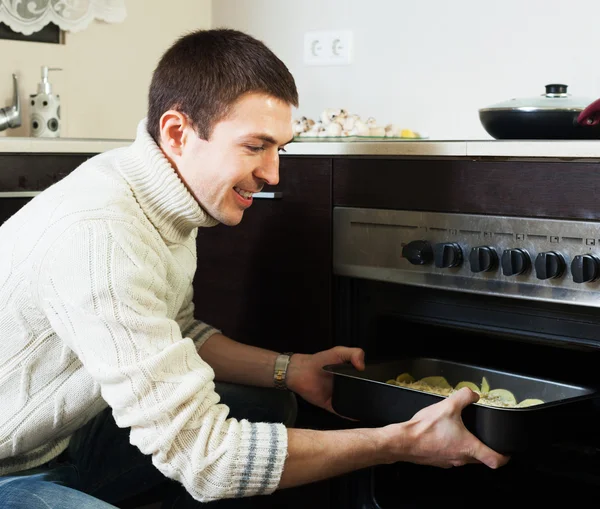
437	436
434	436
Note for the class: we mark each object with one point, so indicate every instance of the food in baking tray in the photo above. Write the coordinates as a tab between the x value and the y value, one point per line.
439	385
338	123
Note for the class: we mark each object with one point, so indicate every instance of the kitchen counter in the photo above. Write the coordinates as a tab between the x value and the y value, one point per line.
559	149
58	145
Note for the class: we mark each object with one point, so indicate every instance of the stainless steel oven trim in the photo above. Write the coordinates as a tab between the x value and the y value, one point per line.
367	243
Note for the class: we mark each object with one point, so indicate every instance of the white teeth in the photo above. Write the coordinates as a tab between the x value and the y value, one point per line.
242	192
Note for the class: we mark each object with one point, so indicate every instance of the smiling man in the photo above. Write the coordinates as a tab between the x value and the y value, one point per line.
108	384
239	158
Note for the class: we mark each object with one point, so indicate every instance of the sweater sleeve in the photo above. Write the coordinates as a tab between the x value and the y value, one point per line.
107	293
192	328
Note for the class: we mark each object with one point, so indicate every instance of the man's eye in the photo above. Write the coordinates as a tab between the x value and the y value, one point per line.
255	149
282	150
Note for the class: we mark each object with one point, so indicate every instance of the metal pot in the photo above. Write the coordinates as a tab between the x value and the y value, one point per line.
555	115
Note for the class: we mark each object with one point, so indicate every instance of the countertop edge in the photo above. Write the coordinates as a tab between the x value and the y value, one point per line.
557	149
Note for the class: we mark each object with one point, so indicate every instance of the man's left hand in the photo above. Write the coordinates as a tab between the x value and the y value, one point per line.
307	378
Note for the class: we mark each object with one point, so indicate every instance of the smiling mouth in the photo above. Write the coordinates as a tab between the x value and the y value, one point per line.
243	193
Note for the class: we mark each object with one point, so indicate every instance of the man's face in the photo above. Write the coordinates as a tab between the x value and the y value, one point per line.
241	156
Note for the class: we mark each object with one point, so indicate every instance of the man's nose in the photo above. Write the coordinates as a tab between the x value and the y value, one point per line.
269	170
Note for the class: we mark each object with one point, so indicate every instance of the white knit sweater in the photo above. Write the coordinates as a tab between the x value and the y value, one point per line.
96	308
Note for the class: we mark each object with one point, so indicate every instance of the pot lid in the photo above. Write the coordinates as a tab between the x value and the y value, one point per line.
555	98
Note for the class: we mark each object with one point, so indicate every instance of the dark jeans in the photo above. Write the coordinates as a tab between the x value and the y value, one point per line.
100	469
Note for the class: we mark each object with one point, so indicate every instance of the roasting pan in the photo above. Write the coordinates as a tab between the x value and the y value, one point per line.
366	397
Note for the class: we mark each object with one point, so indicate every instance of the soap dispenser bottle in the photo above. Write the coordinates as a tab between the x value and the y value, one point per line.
45	108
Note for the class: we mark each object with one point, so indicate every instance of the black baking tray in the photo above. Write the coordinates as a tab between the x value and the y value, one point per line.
366	397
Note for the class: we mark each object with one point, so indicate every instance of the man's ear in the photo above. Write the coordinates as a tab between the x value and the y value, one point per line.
173	131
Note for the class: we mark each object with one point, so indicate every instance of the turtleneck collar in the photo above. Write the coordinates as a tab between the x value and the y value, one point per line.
166	201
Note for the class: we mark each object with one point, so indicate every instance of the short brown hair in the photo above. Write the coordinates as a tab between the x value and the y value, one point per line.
206	71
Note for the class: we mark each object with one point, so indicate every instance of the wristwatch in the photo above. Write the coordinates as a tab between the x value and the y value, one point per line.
280	373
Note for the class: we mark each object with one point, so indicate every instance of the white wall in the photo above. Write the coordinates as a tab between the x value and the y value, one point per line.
106	68
430	64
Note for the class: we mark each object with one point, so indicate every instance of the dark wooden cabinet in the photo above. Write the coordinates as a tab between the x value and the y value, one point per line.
26	173
36	171
267	281
8	206
533	188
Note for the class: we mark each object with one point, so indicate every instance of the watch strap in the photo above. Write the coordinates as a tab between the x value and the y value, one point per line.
280	373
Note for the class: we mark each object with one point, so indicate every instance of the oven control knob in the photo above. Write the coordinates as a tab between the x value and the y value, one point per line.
483	259
549	265
515	261
418	252
447	254
585	268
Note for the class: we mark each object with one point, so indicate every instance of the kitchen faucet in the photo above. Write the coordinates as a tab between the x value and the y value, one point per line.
11	115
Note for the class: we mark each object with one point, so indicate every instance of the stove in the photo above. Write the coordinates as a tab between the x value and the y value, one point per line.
508	292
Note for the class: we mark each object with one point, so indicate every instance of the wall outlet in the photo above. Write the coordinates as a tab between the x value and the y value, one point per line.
332	47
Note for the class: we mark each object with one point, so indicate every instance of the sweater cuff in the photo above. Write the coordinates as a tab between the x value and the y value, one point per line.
261	456
199	332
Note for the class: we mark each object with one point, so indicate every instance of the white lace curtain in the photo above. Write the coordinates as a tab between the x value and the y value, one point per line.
30	16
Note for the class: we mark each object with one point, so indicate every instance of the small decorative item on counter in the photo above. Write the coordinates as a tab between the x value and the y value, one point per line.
338	123
45	108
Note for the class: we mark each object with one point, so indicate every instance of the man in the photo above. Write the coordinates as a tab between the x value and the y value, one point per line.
98	336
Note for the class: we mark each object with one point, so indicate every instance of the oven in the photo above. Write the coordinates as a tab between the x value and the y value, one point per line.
510	292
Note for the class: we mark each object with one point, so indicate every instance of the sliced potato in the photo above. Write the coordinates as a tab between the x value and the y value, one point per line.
405	378
530	402
470	385
504	396
436	381
439	385
485	386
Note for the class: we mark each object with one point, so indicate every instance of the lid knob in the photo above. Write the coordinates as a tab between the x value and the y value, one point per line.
556	88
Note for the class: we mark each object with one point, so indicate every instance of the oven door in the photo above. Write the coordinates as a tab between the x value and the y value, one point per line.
390	320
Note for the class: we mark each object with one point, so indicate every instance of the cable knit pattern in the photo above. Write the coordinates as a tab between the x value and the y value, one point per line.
96	308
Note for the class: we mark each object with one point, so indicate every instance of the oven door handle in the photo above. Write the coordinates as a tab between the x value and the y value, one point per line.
18	194
263	195
268	195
